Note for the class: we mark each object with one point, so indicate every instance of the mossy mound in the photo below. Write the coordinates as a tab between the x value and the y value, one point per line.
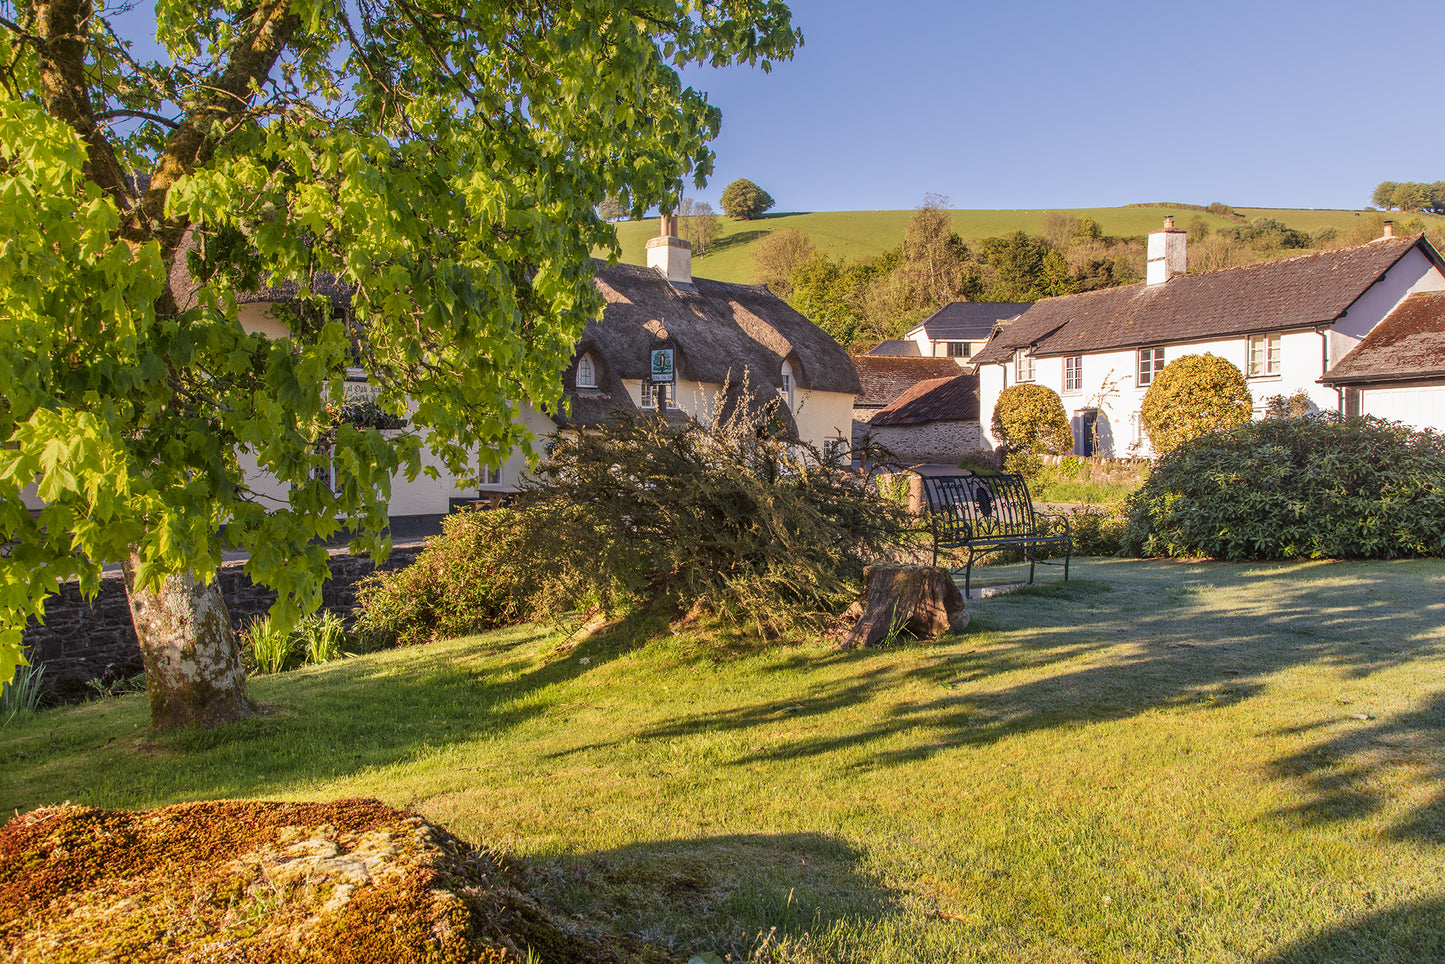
351	881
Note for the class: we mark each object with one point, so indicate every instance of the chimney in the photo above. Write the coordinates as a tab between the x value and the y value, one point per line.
1389	229
1166	256
670	254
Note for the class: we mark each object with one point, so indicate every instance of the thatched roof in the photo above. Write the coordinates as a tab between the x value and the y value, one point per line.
720	334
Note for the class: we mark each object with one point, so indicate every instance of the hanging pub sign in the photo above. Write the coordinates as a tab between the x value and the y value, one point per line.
662	365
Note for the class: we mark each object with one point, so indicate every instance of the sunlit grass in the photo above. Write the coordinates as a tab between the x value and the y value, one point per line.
1154	761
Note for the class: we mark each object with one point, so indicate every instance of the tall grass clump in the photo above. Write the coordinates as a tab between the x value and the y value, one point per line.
317	638
270	645
24	693
1296	488
731	521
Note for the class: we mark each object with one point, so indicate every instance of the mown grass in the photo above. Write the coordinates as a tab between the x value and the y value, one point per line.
854	234
1152	762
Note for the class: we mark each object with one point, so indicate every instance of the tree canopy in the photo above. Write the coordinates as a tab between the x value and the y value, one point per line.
742	200
441	162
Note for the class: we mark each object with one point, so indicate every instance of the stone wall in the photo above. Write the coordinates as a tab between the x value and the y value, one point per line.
81	640
938	442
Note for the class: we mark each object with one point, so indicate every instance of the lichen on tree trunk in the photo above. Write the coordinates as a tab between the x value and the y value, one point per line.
193	665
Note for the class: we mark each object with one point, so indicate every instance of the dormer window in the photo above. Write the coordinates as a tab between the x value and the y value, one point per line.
586	372
787	390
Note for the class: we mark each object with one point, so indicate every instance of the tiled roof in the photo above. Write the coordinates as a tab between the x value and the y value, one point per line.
969	320
1271	296
1408	344
886	377
936	400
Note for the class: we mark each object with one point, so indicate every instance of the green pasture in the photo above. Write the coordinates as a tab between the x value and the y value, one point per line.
854	234
1153	762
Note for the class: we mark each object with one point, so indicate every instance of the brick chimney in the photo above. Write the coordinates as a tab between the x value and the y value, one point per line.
670	254
1389	229
1166	257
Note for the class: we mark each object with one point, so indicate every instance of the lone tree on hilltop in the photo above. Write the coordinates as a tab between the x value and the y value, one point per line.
1194	394
742	200
442	163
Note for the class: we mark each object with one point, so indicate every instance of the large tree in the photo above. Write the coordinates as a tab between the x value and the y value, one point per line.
441	160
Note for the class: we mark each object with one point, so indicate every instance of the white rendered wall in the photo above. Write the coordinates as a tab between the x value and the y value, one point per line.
1420	406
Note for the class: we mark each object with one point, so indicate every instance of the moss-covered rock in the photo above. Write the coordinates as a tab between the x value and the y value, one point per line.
351	881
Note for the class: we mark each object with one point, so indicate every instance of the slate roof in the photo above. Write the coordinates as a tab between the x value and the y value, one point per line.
969	320
896	347
1295	293
936	400
885	378
719	333
1409	344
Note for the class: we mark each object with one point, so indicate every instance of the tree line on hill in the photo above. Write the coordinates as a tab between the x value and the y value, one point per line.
861	301
1410	196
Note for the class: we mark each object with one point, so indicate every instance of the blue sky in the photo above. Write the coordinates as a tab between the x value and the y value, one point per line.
1018	104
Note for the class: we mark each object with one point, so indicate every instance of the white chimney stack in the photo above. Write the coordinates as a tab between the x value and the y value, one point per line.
670	254
1166	257
1389	229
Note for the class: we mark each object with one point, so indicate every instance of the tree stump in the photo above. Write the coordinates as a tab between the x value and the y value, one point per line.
919	600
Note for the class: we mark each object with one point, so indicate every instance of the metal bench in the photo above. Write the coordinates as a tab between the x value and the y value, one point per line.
986	513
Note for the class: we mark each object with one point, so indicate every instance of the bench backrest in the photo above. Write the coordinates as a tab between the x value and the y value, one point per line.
965	507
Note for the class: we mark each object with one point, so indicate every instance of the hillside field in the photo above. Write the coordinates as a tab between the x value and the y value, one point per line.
853	234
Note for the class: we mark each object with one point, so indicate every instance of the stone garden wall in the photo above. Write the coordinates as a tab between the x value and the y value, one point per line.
81	640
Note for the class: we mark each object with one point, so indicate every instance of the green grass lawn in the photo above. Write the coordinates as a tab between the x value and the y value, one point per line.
854	234
1153	762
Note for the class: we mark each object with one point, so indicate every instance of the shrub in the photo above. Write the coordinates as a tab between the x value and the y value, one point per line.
1194	394
1096	532
727	520
1292	488
470	578
24	693
1029	421
320	637
272	647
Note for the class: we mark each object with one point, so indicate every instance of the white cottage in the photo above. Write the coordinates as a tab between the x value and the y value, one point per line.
723	345
1284	324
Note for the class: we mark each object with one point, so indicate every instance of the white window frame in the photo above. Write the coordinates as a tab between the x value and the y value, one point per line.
787	390
491	476
586	372
1150	363
1264	355
833	448
1023	366
650	391
1073	373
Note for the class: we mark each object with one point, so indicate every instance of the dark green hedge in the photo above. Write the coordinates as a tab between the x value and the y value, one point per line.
1296	488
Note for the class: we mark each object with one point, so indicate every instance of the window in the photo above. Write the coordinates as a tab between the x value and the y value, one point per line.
491	476
834	449
787	390
657	395
1151	363
586	372
958	349
1263	355
1023	366
1074	373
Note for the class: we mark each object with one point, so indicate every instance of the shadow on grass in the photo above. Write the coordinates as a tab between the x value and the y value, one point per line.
719	894
738	240
1400	935
1168	646
314	727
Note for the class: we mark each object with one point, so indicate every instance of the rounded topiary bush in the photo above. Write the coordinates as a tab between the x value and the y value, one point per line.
1194	394
1030	418
1295	488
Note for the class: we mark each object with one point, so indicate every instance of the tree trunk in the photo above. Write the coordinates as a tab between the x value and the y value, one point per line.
192	663
919	600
